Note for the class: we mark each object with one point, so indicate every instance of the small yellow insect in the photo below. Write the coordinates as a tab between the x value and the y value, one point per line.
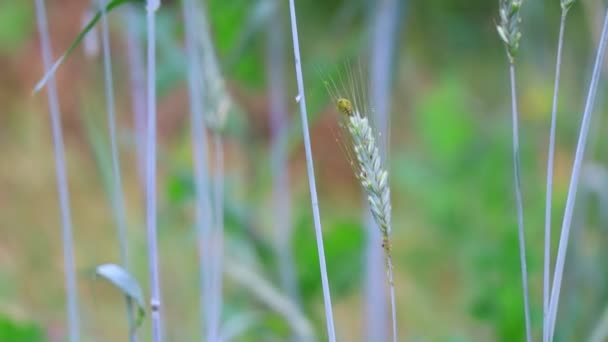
345	106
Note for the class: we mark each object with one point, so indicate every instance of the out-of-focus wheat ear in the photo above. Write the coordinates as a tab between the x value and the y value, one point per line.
156	308
565	4
217	106
509	32
200	158
574	179
279	126
509	26
301	99
73	315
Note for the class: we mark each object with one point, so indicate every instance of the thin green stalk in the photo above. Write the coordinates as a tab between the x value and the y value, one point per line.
519	203
218	237
574	179
71	288
389	262
117	193
301	99
155	300
550	162
510	34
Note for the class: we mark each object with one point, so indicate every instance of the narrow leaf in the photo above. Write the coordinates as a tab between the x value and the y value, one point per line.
126	283
109	7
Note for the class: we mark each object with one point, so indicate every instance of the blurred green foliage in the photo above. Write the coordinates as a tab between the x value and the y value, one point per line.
14	331
15	24
343	243
446	126
461	176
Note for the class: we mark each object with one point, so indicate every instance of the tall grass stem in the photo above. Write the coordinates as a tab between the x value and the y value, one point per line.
574	179
301	98
389	262
218	236
71	287
155	299
117	196
550	162
519	202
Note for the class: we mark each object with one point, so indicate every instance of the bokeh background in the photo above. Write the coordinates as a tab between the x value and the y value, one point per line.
455	232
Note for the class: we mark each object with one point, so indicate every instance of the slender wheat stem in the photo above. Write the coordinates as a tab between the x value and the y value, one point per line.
574	178
71	287
509	32
155	300
217	236
550	161
389	261
301	98
118	203
520	207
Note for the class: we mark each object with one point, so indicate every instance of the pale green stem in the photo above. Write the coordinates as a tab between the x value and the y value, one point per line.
118	203
301	99
574	179
550	162
519	203
71	288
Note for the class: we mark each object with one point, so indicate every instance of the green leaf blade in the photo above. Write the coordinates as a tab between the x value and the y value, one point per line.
51	72
126	283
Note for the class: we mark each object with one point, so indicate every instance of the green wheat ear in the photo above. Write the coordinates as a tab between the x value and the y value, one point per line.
509	26
345	106
368	164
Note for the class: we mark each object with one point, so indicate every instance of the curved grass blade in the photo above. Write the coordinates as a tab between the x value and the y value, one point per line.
50	72
272	297
127	284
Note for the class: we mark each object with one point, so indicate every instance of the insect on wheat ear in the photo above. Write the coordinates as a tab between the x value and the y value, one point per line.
345	106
